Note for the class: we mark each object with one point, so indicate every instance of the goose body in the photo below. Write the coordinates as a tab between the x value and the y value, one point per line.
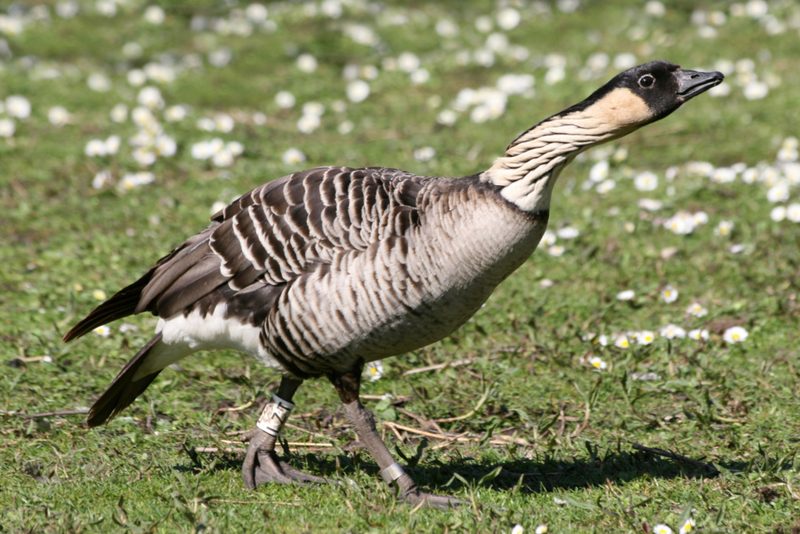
317	272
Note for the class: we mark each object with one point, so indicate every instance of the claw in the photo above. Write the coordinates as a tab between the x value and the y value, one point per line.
417	498
262	464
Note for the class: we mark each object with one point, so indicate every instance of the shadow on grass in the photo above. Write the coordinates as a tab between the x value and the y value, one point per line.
543	473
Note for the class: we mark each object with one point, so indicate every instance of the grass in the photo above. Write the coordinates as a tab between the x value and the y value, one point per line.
569	430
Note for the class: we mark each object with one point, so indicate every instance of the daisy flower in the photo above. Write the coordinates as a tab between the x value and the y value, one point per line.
154	15
688	526
103	331
119	113
605	186
58	116
345	127
698	334
98	82
622	342
628	294
672	331
374	370
645	337
7	127
284	99
18	107
778	213
128	327
541	529
101	179
306	63
556	250
517	529
548	238
425	153
357	91
697	310
568	232
645	181
793	212
735	334
293	156
599	171
724	228
669	294
597	363
662	529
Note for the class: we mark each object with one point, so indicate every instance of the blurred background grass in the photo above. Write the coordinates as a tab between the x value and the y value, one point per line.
63	239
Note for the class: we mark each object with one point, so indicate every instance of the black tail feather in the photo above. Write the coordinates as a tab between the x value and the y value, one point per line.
123	390
122	304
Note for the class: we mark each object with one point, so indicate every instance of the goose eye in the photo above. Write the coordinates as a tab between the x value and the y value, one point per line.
647	81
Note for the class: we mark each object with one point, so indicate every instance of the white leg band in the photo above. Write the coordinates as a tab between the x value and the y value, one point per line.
392	473
274	415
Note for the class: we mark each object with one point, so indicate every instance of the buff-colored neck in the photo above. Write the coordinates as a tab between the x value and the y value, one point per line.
531	165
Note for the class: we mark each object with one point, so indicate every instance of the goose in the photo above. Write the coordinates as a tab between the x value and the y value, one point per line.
319	272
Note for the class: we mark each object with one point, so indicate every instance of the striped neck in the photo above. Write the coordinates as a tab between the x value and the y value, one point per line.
532	163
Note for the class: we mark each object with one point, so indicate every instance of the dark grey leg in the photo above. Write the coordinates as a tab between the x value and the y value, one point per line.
261	464
347	386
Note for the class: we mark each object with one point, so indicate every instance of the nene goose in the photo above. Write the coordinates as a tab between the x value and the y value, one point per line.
316	273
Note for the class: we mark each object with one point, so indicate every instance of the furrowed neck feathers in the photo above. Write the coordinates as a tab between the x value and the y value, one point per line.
530	167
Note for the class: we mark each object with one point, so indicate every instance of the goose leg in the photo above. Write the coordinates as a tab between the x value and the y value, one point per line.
347	386
262	464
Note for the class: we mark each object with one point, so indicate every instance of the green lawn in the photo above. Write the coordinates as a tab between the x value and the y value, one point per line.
532	433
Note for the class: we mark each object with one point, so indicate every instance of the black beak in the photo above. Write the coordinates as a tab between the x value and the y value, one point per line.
692	83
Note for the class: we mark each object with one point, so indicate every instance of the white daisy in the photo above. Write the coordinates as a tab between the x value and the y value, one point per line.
119	113
357	91
597	363
103	331
628	294
58	116
99	82
669	294
154	15
374	370
793	212
7	127
284	99
307	63
697	310
698	334
645	337
425	153
735	334
18	107
293	156
568	232
645	181
548	238
724	228
672	331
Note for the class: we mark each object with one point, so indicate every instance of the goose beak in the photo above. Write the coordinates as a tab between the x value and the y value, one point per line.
692	83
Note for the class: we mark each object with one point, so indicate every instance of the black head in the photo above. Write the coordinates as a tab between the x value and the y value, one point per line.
646	93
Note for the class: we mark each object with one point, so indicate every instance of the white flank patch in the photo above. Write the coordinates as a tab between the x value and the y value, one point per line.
182	335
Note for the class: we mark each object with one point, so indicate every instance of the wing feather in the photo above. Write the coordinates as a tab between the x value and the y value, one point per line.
272	235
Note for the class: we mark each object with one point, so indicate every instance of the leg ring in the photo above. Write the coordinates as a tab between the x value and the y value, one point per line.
275	415
392	473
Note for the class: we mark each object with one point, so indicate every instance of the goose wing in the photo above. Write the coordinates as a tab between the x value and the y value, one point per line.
270	236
